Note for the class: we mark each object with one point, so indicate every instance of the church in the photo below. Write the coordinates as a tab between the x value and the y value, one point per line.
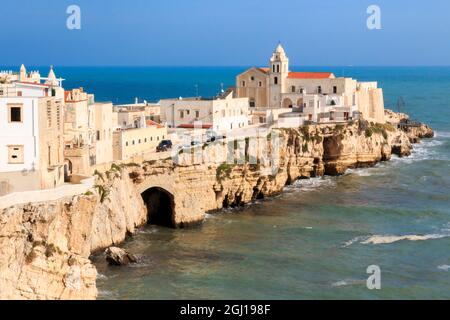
318	96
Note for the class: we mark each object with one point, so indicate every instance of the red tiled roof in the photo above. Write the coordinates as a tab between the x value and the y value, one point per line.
265	70
192	126
153	123
67	96
310	75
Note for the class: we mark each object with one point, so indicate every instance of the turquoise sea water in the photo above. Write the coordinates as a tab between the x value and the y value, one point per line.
316	240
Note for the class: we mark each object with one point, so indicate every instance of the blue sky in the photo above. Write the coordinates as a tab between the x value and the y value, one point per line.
225	33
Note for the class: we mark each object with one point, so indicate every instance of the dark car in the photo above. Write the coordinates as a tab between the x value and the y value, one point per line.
164	146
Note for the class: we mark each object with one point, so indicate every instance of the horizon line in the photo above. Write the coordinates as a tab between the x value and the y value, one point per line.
223	66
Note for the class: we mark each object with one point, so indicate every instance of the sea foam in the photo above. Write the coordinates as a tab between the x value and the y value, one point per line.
380	239
444	267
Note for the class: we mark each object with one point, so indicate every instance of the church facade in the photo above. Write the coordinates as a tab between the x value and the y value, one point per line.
318	96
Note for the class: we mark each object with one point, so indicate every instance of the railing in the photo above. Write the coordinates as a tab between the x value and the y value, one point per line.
37	196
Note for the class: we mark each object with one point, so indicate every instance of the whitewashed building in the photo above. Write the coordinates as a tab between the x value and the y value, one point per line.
220	114
31	131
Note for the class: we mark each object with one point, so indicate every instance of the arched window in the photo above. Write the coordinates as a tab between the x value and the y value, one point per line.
273	67
275	80
278	68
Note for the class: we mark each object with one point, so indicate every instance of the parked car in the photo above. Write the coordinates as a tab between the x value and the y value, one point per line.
164	145
212	136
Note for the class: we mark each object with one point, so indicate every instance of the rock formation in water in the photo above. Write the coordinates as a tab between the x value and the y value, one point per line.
119	257
45	247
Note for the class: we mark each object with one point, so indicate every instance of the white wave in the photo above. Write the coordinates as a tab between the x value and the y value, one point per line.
101	276
354	240
313	183
308	228
209	216
442	134
380	239
348	282
444	267
147	230
366	172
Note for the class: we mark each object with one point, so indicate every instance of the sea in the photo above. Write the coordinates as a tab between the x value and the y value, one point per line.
319	238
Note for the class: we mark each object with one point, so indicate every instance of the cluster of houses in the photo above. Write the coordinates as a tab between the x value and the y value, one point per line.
48	134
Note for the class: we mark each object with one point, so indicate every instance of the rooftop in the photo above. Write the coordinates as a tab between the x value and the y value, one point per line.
310	75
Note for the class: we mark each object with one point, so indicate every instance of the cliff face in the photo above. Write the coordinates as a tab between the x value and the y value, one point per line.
45	247
44	250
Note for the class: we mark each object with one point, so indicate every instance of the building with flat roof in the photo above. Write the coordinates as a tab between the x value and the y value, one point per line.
221	113
137	141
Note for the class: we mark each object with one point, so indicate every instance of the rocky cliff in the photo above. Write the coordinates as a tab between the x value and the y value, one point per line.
45	247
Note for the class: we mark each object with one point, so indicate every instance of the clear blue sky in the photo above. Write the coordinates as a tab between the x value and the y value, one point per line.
225	33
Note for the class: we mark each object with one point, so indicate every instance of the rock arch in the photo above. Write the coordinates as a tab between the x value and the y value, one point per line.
160	205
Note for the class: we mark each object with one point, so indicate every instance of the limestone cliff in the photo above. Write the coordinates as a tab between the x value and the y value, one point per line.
45	247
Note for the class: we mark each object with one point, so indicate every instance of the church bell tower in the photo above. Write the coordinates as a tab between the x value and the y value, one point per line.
278	73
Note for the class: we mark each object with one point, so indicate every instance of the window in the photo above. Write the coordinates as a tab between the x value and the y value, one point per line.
334	89
252	78
197	113
139	141
49	114
301	90
273	68
19	93
275	80
293	88
132	142
319	89
278	68
260	84
1	92
15	154
252	103
58	116
145	140
126	143
331	115
98	135
181	114
243	83
53	92
15	113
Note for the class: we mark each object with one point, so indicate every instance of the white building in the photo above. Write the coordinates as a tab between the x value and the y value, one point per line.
31	131
219	114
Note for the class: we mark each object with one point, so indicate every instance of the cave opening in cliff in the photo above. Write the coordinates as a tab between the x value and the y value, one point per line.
160	207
